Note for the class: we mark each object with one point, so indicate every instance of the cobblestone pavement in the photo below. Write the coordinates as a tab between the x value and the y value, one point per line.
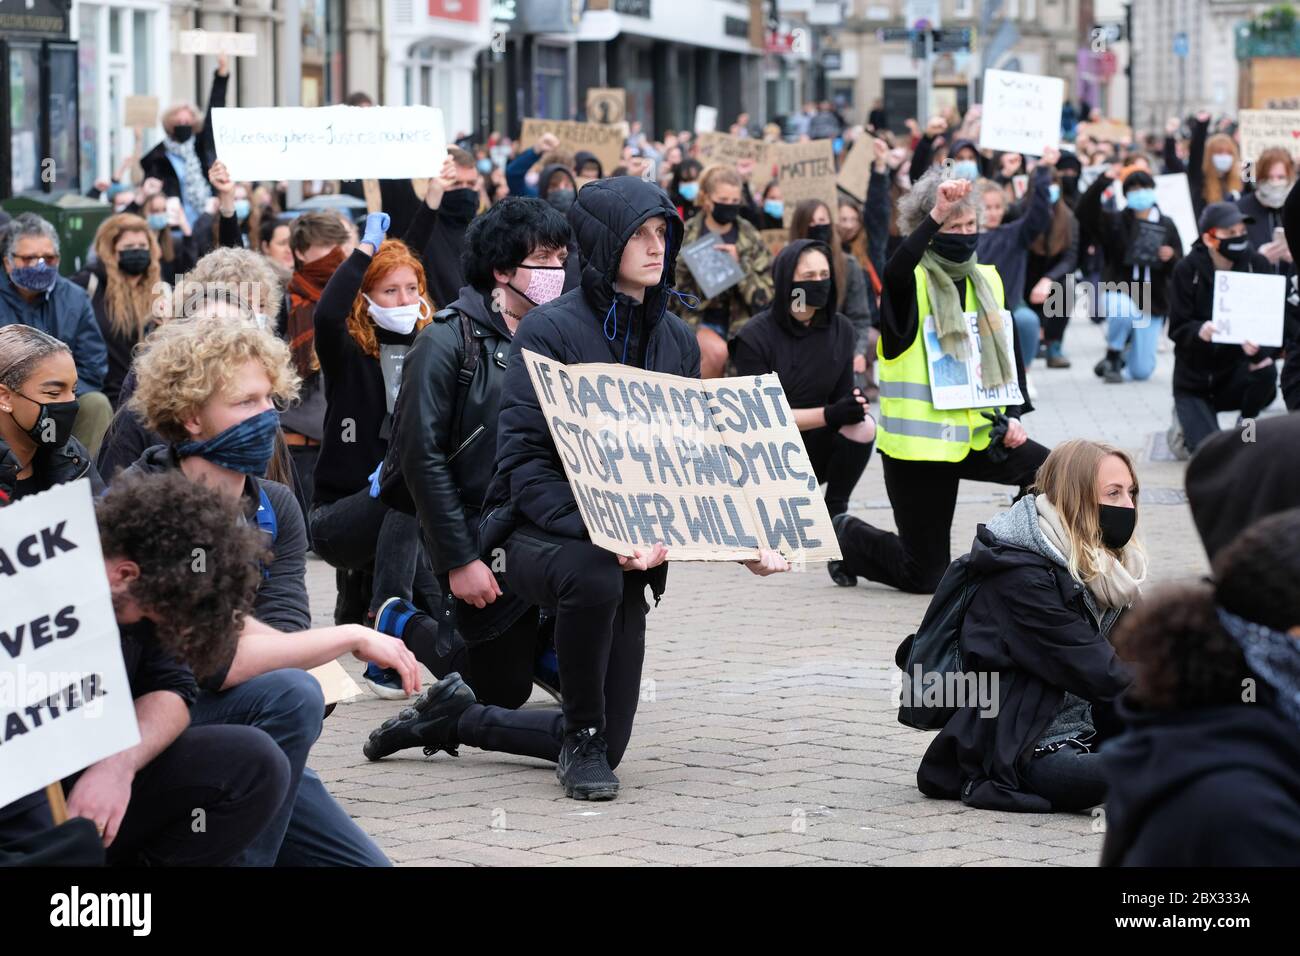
766	733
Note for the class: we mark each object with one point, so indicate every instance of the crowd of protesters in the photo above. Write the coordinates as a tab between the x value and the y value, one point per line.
357	389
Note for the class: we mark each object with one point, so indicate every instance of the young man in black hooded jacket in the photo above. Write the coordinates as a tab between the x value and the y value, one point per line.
629	233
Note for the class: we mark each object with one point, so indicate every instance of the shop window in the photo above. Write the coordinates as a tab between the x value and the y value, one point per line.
551	69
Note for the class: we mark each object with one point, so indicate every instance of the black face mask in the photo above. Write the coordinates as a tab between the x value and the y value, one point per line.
134	262
53	426
1117	525
724	213
1070	186
816	292
954	246
820	233
459	204
1236	250
560	199
182	133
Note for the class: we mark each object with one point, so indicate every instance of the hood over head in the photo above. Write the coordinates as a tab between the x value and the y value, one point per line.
544	180
783	269
605	216
582	157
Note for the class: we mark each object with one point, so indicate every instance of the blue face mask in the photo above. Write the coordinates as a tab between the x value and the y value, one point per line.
774	208
246	447
157	221
966	169
242	208
689	191
484	166
1054	191
1140	200
37	278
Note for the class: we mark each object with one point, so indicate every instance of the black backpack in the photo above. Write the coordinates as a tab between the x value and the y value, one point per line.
936	646
392	485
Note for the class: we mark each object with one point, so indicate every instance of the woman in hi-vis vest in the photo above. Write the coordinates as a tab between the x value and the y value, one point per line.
935	290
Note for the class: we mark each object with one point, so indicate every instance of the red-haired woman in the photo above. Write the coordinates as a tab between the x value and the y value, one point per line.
365	322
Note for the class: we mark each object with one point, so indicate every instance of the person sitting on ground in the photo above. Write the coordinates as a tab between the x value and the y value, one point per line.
717	319
33	293
810	346
1208	771
1054	573
210	388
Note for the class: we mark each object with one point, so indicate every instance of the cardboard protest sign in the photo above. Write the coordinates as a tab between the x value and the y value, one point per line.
65	701
606	105
335	682
329	142
713	269
606	142
776	239
1106	131
1265	129
1022	112
805	171
1248	307
855	174
715	470
955	383
728	150
198	42
140	111
1174	197
706	119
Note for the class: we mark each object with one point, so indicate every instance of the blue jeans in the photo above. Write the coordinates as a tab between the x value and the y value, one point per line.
1132	333
309	828
1027	331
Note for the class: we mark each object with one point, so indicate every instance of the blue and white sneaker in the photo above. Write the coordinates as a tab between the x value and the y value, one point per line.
384	682
393	616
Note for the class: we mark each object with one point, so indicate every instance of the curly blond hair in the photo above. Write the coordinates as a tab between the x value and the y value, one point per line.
235	275
184	363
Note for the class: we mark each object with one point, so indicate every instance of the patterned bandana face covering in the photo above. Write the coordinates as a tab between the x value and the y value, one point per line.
245	447
1273	655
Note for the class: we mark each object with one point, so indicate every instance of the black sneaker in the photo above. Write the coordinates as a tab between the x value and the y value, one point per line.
430	722
583	768
840	576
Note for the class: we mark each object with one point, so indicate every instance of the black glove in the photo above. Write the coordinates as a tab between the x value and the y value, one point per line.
997	452
9	468
847	411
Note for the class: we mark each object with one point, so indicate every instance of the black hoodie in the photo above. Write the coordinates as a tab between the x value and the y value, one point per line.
814	362
1215	786
530	485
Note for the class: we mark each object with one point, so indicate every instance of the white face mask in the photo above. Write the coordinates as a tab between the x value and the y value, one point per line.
400	318
1222	161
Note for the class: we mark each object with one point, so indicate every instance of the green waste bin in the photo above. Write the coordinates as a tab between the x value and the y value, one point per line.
75	218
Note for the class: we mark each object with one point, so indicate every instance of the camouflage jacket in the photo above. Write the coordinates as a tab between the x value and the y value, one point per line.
751	295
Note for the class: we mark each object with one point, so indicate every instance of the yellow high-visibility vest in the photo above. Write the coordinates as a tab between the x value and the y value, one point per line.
910	427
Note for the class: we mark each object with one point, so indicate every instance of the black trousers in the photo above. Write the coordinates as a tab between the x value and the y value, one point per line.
600	613
198	803
838	463
923	495
1246	392
499	670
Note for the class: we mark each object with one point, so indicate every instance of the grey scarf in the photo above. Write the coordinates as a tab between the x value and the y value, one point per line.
1273	655
997	367
194	185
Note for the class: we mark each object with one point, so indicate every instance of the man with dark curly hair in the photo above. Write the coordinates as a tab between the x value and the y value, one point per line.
182	574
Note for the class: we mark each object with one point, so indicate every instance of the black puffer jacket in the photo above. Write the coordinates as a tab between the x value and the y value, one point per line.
1215	786
49	468
1036	627
446	483
530	486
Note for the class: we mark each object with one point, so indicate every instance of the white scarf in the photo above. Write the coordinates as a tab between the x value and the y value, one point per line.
1118	583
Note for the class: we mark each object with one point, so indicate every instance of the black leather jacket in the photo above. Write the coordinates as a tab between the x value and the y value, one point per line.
57	467
446	483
